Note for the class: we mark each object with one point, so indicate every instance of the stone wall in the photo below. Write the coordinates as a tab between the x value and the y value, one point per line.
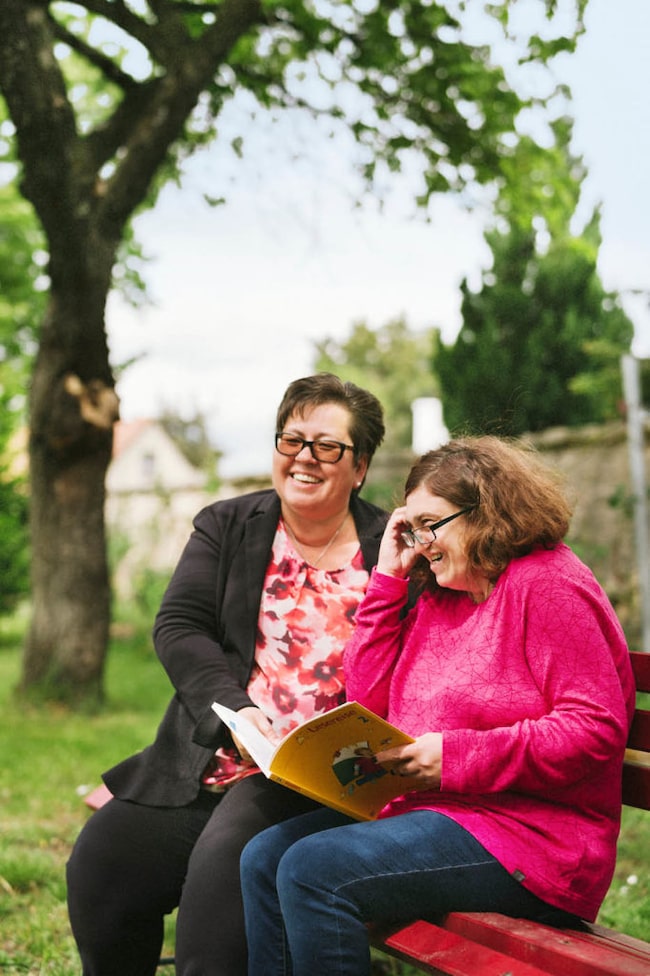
595	461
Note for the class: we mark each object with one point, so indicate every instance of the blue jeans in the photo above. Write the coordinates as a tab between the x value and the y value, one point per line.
312	883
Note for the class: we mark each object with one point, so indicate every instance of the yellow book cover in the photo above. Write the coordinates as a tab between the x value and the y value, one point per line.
330	758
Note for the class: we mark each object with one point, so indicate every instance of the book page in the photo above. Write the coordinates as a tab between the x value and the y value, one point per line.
260	748
330	758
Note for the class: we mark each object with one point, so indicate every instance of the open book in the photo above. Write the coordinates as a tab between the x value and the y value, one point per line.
330	758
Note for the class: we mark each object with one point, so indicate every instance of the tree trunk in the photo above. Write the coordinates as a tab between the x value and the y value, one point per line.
72	410
65	650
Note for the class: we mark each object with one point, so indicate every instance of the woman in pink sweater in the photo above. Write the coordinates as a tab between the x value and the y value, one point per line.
512	673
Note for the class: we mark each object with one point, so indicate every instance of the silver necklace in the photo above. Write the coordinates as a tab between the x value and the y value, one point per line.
327	548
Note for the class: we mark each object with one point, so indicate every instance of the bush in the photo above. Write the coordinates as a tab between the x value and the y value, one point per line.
14	553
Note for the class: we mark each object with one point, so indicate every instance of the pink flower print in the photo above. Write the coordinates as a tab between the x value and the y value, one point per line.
284	700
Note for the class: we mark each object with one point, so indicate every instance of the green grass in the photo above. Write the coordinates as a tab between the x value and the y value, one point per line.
627	905
50	756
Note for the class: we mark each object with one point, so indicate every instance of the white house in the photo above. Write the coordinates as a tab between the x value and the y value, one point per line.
146	459
152	494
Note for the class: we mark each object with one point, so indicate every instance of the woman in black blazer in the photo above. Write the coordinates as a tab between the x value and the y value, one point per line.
255	616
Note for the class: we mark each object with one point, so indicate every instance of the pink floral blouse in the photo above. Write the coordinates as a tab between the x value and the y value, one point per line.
306	618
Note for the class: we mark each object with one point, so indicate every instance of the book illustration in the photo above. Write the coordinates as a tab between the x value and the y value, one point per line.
357	764
331	758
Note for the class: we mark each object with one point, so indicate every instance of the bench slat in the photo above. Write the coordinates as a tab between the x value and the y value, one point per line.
636	786
440	952
590	951
641	667
98	797
639	737
489	944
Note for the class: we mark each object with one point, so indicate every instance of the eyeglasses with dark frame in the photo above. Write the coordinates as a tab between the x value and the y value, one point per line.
427	533
327	452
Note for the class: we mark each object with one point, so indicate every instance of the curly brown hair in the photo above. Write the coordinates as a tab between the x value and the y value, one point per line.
518	503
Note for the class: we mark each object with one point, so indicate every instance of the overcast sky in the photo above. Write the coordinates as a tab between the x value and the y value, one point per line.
243	291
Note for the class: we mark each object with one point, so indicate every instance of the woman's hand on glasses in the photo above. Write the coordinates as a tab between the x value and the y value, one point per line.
395	557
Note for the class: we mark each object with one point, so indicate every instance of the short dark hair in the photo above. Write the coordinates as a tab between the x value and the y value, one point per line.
366	412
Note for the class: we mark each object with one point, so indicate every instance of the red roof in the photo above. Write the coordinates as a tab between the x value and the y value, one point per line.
125	432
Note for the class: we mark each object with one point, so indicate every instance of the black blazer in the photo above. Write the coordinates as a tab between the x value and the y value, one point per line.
204	635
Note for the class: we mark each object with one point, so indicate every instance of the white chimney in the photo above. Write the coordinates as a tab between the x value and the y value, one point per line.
429	430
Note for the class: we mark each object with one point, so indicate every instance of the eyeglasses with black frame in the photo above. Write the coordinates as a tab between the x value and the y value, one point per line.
427	533
327	452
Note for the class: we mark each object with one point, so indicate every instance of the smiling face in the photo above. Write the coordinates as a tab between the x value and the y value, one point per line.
309	488
446	554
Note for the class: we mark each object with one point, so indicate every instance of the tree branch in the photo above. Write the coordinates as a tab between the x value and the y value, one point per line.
154	127
159	38
115	12
33	86
111	71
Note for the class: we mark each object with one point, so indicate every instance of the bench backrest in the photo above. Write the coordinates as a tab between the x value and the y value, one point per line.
636	771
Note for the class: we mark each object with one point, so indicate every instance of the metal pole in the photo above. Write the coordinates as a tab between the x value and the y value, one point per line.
636	447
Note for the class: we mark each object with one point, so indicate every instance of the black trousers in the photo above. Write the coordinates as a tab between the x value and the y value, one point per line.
133	864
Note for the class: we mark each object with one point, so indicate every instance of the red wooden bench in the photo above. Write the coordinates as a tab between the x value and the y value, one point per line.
488	944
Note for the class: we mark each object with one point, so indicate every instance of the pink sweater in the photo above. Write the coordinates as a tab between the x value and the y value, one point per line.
534	693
